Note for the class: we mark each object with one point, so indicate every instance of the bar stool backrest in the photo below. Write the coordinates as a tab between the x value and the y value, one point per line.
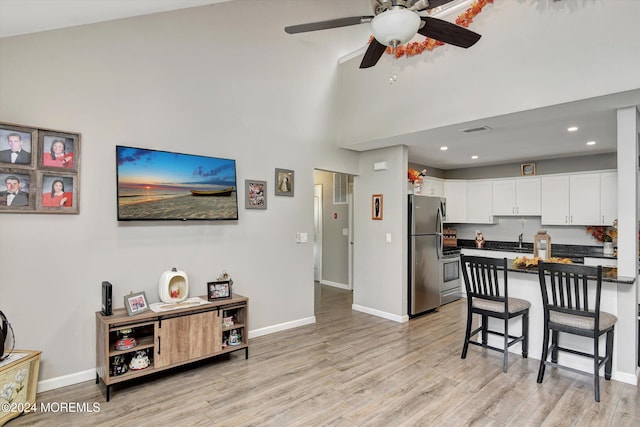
565	289
481	278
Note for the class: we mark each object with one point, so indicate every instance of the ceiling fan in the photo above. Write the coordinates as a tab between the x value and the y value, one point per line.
396	22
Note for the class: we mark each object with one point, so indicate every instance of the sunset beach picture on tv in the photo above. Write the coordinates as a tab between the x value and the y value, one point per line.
162	185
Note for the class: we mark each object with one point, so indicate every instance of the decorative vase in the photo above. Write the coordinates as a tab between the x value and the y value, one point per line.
607	248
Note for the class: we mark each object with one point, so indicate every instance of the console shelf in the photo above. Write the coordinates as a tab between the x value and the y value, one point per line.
162	337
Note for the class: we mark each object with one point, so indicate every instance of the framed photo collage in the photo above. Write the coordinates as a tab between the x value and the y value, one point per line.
39	170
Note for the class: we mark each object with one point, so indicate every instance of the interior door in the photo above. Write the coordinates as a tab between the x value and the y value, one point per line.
317	232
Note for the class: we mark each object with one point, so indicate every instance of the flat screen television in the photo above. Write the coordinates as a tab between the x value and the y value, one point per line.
156	185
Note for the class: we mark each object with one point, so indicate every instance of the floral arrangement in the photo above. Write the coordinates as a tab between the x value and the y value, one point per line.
415	176
603	233
416	48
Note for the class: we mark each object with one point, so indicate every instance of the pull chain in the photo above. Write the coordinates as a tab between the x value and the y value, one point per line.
393	76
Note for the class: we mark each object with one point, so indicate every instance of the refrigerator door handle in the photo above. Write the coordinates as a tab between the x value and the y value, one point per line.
439	228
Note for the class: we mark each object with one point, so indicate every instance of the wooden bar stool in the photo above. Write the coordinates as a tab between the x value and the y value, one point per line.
569	308
484	297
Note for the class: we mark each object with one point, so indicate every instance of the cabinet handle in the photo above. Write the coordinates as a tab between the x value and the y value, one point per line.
603	219
571	219
158	345
566	219
517	209
513	209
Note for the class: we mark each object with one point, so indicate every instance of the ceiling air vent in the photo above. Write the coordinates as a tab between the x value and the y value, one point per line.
476	130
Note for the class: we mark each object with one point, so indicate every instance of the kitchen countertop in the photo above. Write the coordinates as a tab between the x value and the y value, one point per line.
608	274
575	253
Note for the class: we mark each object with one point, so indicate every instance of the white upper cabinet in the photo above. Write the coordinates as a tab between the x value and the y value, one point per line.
584	199
479	202
554	200
456	194
432	187
608	197
573	199
519	196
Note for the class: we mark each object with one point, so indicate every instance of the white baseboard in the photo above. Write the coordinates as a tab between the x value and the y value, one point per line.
281	327
383	314
90	374
335	284
66	380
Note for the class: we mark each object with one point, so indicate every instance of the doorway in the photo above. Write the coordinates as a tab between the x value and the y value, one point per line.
333	229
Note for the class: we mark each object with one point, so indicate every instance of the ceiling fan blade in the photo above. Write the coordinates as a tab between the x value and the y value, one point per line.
437	3
373	54
448	32
421	5
325	25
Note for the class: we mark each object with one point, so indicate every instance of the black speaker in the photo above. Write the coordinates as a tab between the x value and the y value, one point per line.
106	299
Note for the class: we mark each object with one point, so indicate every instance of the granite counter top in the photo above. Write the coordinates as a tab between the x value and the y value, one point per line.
575	253
608	274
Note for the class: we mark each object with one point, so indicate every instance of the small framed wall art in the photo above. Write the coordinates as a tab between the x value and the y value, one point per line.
255	194
220	289
528	169
136	303
284	182
376	207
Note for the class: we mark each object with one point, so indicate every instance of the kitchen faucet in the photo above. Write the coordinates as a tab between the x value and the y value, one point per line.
520	241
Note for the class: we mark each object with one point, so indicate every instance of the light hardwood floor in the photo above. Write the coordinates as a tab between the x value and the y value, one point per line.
353	369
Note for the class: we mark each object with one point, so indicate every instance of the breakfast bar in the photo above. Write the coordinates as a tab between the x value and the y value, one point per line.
524	284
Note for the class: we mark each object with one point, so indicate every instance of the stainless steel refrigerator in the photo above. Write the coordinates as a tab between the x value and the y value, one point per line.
425	252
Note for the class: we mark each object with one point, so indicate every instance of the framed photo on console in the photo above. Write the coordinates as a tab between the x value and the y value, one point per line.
136	303
219	290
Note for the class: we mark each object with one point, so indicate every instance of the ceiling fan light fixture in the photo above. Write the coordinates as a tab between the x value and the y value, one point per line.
395	26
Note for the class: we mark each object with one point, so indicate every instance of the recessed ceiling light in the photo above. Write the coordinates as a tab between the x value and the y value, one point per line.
572	128
474	157
443	148
591	143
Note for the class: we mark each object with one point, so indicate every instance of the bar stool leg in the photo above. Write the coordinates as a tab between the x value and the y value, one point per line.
609	363
505	362
525	333
485	327
596	366
467	336
545	354
554	346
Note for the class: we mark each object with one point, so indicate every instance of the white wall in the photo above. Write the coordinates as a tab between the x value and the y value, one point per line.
380	277
222	80
532	53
